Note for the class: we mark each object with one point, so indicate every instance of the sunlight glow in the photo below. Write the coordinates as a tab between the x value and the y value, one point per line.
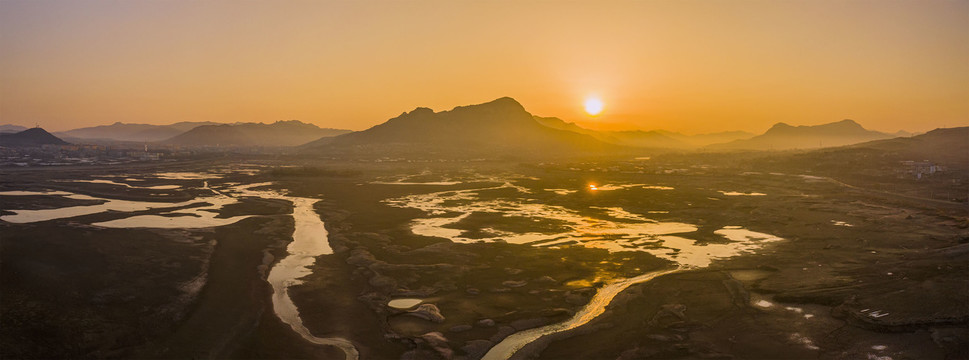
593	106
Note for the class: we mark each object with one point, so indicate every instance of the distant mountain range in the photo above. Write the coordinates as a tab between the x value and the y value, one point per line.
132	132
280	133
499	125
948	147
204	133
504	123
647	139
33	137
785	137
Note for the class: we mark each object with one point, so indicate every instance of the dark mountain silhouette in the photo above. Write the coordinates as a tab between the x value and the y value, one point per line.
949	145
499	125
784	137
9	128
34	137
280	133
649	139
132	132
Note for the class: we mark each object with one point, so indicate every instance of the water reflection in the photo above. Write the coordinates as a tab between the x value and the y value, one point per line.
614	228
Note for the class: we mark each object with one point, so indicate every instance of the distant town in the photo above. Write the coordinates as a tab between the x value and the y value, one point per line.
93	154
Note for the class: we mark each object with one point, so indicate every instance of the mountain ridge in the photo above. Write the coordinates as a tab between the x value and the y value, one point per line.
119	131
782	136
279	133
500	124
33	137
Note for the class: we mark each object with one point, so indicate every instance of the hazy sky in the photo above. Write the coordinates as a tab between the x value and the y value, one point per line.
690	66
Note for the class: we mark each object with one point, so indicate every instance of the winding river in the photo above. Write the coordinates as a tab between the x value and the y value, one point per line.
596	306
309	241
309	237
614	229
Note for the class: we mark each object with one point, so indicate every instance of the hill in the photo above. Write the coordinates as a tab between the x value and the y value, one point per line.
280	133
9	128
499	125
786	137
648	139
34	137
949	146
934	165
132	132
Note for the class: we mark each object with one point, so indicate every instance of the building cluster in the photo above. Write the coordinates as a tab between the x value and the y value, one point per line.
918	169
52	155
100	154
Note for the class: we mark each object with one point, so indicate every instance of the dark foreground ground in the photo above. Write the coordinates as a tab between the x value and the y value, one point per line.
71	290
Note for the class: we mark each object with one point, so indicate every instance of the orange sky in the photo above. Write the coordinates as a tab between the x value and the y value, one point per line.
689	66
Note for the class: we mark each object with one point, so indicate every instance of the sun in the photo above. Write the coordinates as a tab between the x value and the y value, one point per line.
593	106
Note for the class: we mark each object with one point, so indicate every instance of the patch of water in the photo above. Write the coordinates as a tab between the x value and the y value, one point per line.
34	193
611	187
511	344
737	193
30	216
618	230
109	182
309	241
439	183
404	304
764	304
197	217
614	229
309	237
186	176
737	233
561	191
749	275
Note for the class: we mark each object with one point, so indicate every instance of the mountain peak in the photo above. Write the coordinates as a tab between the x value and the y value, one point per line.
279	133
420	110
29	138
506	100
846	124
501	123
504	104
784	136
